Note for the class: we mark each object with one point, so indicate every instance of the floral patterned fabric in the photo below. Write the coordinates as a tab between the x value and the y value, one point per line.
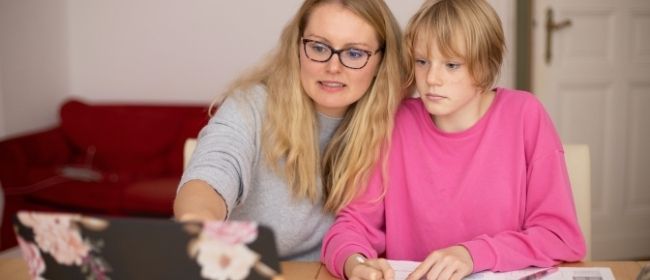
59	236
81	247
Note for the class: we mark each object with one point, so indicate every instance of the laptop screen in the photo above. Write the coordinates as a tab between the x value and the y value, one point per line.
72	246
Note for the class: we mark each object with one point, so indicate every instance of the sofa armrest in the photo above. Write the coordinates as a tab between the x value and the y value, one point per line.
18	154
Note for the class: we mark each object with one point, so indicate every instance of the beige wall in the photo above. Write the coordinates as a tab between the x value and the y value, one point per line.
2	110
167	51
136	50
34	70
506	10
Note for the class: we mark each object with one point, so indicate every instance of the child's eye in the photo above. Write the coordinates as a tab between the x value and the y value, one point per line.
452	66
420	62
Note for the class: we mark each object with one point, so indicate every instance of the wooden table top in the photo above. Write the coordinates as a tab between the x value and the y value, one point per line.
15	268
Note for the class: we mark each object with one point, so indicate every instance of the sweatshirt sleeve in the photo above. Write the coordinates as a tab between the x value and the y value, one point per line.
227	147
550	232
359	228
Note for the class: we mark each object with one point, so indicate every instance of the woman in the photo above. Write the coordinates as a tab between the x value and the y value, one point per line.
295	137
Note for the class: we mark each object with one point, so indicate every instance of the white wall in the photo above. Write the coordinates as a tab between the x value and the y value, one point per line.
175	51
506	10
34	70
171	51
137	50
2	110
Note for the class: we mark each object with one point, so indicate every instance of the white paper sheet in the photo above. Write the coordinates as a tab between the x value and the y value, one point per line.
403	268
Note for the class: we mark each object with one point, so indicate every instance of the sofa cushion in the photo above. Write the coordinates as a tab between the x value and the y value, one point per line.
78	196
125	139
47	147
194	121
137	150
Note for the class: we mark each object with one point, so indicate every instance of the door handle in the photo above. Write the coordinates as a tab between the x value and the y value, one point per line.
552	26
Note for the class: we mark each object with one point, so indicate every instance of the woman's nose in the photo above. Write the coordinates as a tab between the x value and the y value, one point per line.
334	64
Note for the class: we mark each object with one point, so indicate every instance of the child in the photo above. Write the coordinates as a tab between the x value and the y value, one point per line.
476	176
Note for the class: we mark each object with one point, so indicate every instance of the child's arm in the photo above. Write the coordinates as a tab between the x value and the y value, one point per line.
452	263
357	229
549	231
358	267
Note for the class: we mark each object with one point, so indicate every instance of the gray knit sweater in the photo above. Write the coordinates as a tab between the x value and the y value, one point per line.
228	157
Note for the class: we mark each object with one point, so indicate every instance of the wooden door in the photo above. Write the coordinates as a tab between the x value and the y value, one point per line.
596	86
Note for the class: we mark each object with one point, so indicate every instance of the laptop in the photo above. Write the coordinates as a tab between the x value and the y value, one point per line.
74	246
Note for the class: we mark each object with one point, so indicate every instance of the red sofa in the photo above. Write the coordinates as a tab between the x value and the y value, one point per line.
107	159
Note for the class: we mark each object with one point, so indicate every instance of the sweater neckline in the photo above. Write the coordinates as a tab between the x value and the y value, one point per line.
478	126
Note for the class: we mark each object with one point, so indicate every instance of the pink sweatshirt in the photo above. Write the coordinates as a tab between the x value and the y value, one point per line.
500	189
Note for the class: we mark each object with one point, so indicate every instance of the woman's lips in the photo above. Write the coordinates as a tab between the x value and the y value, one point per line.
331	86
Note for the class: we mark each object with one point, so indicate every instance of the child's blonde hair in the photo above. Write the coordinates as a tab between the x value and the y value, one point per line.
448	23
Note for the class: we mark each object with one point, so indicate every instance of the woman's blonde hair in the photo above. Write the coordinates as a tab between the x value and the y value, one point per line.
290	129
448	23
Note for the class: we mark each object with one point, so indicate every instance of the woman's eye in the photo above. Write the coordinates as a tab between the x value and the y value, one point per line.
355	53
420	62
319	48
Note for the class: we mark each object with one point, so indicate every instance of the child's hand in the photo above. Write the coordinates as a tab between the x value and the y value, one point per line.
359	268
452	263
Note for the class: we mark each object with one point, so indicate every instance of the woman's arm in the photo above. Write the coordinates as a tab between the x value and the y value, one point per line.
219	173
196	200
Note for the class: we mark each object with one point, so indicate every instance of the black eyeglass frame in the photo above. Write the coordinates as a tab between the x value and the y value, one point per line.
338	52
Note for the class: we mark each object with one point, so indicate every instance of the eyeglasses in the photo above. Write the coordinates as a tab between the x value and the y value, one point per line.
353	58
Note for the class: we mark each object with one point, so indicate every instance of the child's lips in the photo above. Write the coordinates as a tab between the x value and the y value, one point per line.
435	97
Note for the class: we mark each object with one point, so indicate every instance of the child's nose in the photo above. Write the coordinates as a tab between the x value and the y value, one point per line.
433	76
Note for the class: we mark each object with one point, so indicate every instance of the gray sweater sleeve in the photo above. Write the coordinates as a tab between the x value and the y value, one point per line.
228	147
